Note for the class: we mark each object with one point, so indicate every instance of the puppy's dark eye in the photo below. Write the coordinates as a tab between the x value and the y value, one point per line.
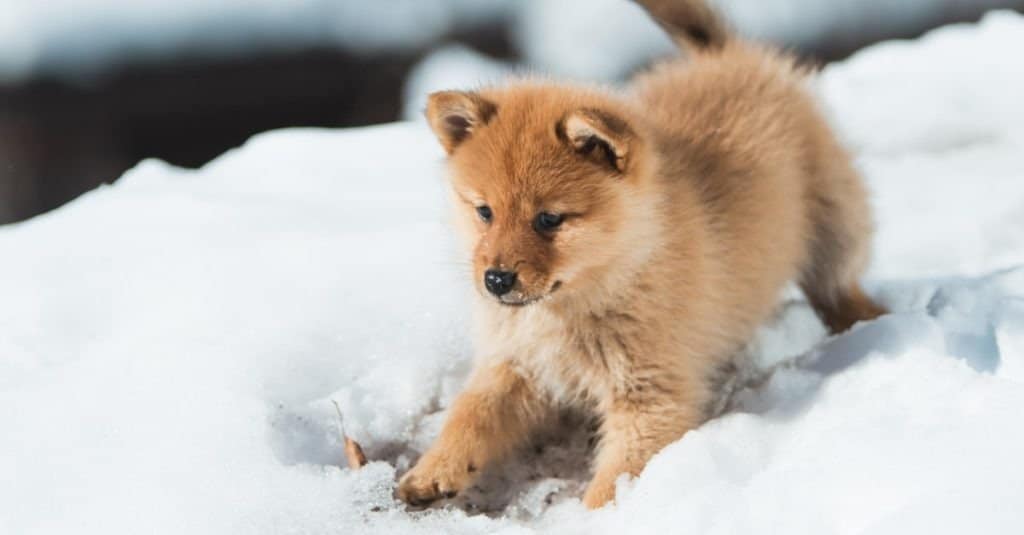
485	213
546	222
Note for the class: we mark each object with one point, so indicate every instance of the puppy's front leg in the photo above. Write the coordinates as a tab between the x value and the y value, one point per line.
630	435
488	419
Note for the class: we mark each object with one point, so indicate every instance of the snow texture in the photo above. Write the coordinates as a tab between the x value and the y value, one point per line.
170	345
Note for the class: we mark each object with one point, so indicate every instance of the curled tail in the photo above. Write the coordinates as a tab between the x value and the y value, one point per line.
692	24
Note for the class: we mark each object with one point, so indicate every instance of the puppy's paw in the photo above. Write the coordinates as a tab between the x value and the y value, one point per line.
433	479
599	493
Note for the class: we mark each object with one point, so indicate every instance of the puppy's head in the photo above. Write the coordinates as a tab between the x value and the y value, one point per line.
548	187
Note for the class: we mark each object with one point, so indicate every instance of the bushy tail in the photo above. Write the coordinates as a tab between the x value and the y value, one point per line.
691	23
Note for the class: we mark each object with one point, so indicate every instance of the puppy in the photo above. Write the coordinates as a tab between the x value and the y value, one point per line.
626	246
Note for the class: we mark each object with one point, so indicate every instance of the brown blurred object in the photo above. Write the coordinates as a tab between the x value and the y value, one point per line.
59	140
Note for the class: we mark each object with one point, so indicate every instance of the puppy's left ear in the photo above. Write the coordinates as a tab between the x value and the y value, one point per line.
600	136
455	115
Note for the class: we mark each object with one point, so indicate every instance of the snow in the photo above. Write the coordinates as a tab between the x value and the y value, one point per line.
80	38
170	345
592	39
448	67
608	39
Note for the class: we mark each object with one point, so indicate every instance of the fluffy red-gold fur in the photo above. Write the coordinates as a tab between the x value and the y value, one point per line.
685	205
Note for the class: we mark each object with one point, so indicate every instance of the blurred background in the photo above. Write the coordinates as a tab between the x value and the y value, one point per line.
90	87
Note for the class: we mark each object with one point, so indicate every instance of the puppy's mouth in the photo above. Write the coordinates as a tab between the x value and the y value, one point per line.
517	298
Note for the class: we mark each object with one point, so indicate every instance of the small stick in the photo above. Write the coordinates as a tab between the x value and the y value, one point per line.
353	451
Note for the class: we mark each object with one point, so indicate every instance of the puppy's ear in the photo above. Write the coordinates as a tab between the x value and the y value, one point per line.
454	115
599	136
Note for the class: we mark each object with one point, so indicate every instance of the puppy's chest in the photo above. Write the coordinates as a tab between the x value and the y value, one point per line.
578	359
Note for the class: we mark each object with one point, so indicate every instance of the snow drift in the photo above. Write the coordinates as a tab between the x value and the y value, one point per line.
170	346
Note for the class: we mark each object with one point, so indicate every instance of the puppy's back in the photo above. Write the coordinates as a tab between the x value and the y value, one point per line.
737	120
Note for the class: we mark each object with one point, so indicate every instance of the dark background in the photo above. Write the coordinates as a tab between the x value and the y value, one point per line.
60	136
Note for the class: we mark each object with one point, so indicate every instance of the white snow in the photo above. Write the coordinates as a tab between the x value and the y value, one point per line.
80	38
608	39
592	39
170	345
452	66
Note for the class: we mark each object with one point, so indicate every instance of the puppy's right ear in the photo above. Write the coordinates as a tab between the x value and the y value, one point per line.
454	115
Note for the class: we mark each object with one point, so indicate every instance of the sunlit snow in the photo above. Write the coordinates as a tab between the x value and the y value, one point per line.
170	345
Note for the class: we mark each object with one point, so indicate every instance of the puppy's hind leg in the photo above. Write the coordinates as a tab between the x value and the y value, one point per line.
840	243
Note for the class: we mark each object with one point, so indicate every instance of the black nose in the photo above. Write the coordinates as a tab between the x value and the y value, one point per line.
499	283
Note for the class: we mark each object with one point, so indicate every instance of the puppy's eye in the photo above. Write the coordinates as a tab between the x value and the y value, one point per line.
546	222
485	213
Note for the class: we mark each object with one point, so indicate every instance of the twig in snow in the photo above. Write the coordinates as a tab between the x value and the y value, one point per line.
353	451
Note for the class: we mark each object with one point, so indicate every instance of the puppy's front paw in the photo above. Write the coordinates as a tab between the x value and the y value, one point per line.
433	479
599	493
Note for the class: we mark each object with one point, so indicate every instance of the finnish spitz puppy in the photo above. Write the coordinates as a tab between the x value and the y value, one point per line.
626	245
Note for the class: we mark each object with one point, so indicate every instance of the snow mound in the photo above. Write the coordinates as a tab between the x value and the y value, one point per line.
170	346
